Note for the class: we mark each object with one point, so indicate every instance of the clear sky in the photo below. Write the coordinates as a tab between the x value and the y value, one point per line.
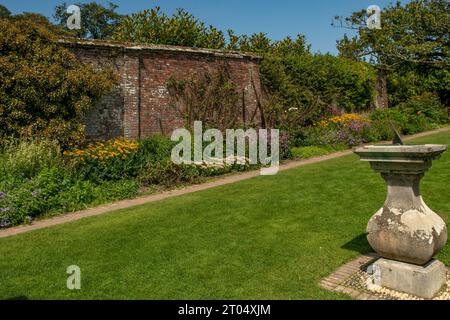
276	18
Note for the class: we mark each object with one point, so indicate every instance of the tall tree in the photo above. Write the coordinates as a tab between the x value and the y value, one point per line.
412	46
4	12
97	21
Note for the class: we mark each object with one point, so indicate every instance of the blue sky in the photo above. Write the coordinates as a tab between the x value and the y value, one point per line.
276	18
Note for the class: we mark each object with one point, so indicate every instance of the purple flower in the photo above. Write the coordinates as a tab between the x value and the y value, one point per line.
3	210
344	137
35	193
2	195
357	126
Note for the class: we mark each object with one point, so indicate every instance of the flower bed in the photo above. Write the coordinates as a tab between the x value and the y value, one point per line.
37	180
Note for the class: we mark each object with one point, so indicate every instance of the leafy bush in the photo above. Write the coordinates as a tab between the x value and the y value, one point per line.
51	192
406	120
118	159
284	140
313	136
26	159
167	173
390	114
155	148
380	130
418	114
427	105
44	89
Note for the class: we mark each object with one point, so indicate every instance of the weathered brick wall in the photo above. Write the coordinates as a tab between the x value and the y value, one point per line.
141	105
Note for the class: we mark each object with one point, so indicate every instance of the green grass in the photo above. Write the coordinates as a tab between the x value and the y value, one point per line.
264	238
316	151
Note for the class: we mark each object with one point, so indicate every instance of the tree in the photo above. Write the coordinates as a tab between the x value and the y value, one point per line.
44	90
4	12
41	21
97	21
412	44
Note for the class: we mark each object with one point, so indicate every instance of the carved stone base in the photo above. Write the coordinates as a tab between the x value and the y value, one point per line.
406	229
424	282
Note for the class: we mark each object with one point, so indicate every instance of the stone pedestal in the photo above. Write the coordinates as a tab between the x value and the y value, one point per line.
405	231
405	228
422	281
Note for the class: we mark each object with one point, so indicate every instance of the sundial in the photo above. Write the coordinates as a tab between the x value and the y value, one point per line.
405	232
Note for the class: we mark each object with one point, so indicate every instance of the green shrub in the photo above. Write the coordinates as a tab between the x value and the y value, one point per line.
32	197
313	136
105	161
27	158
166	173
418	123
44	90
351	134
155	148
53	191
399	118
428	106
380	130
418	114
83	194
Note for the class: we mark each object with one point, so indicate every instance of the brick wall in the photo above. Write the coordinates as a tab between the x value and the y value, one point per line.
140	105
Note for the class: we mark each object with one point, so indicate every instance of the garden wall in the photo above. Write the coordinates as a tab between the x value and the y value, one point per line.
141	105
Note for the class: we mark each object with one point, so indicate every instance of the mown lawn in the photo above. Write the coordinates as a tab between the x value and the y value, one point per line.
264	238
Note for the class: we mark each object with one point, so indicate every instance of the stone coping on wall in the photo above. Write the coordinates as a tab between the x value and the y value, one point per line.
136	47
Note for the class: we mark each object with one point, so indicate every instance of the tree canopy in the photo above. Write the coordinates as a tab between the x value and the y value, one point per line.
97	21
413	45
4	12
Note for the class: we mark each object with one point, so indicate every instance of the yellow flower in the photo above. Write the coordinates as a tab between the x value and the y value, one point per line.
119	147
344	119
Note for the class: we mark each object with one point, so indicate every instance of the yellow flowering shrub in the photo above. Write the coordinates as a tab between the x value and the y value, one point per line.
44	88
110	160
343	120
104	151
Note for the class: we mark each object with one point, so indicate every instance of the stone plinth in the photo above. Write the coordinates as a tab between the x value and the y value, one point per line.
422	281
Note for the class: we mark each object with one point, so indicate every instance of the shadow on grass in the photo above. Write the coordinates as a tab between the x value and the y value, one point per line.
358	244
